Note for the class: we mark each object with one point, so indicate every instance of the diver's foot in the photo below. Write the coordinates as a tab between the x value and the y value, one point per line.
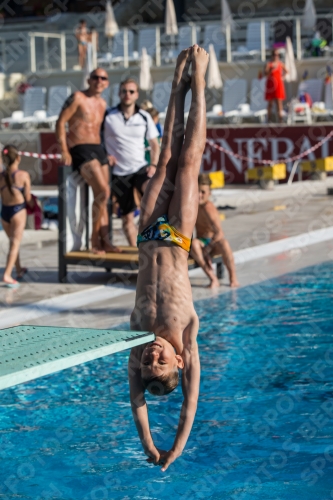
181	77
200	60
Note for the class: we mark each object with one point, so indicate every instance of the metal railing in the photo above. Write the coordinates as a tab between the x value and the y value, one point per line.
19	51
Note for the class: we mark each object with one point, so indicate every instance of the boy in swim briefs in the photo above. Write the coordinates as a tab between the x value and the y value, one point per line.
210	240
163	302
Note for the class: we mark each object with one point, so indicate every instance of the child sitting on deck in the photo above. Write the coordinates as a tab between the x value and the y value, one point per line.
163	297
210	239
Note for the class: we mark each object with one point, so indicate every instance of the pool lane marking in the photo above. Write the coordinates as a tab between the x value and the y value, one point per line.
59	304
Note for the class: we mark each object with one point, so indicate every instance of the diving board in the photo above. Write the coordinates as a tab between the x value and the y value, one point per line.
28	352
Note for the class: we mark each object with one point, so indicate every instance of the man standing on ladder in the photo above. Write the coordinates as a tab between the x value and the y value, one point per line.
84	112
124	131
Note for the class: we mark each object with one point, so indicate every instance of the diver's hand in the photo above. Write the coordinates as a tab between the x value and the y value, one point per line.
153	455
165	458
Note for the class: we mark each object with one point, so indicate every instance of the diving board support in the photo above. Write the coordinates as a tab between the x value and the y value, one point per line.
29	352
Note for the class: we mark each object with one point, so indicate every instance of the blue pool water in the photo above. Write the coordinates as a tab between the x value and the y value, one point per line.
263	430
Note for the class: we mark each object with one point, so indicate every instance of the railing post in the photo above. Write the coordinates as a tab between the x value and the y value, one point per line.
193	33
4	56
45	47
228	42
298	39
63	52
158	46
32	53
125	48
263	40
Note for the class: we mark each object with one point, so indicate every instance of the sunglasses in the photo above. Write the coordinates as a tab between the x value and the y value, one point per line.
124	91
97	77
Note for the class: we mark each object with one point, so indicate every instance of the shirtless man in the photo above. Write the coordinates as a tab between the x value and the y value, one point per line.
84	111
210	239
163	296
81	34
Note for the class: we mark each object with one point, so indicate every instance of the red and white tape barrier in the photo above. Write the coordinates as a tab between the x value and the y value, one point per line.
40	155
49	156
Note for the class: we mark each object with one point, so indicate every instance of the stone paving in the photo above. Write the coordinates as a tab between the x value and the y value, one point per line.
257	219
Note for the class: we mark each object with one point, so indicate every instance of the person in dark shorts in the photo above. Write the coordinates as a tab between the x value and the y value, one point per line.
84	111
83	153
124	131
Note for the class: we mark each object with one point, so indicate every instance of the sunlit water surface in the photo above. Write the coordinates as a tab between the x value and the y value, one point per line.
264	425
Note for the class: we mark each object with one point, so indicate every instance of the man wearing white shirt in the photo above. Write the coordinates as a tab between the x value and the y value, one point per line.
124	131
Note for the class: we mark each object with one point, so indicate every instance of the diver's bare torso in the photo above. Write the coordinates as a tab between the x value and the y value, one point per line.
163	302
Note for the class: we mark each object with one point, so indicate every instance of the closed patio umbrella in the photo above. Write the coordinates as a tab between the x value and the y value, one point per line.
171	27
291	76
227	19
214	80
309	15
145	79
111	27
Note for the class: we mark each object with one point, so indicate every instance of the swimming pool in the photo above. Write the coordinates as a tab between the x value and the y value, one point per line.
264	424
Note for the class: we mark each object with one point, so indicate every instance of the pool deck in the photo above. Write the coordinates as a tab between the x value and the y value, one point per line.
260	217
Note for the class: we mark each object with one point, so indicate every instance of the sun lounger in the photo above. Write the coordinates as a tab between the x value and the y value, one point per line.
313	87
234	95
185	40
28	352
117	54
257	109
253	41
213	35
147	39
56	98
33	100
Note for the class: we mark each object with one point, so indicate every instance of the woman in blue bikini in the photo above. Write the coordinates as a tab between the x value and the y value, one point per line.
15	194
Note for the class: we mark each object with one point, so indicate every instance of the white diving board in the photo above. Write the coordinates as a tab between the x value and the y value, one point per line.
29	352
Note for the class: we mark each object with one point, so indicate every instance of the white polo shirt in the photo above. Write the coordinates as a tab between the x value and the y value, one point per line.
125	139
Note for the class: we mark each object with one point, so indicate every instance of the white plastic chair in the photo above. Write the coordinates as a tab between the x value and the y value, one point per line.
324	109
313	87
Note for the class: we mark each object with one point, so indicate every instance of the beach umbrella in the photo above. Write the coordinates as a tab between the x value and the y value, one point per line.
309	15
290	65
111	27
171	27
214	80
227	19
89	67
145	79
